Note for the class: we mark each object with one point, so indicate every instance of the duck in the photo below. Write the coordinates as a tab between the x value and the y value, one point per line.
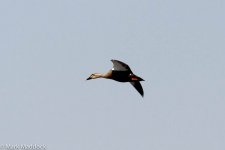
121	72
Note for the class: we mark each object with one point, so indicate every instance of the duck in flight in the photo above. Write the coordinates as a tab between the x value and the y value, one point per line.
121	72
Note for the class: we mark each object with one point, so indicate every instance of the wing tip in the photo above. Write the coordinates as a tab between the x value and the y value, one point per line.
141	93
112	60
138	87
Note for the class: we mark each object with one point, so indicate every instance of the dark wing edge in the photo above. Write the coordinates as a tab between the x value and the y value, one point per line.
138	87
119	65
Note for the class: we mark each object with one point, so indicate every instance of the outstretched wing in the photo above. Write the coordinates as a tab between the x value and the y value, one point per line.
120	66
138	87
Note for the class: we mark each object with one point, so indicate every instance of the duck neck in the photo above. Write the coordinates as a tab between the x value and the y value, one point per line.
99	75
107	75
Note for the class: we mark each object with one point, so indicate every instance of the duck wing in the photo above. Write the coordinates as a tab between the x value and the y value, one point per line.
138	87
120	66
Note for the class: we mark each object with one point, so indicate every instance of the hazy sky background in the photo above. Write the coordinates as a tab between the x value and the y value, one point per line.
49	47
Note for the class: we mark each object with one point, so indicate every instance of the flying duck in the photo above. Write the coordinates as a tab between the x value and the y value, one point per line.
121	72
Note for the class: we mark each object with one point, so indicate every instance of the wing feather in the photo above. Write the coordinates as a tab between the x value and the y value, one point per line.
138	87
120	66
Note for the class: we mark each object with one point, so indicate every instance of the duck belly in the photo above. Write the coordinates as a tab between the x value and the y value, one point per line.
121	76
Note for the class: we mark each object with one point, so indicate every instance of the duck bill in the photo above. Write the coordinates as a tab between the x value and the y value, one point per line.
88	78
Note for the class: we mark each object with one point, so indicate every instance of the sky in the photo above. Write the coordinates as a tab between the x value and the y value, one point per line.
48	49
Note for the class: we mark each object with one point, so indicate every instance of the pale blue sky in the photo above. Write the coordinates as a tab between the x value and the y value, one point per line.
48	48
